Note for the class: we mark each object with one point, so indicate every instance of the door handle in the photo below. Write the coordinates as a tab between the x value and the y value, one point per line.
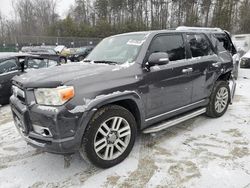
218	64
187	70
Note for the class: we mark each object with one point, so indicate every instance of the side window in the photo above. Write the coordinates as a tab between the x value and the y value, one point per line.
172	44
199	45
8	66
217	44
34	63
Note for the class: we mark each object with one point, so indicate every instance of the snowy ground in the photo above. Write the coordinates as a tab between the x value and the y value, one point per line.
201	152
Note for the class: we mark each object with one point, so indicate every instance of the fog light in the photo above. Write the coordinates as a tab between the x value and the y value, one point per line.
44	131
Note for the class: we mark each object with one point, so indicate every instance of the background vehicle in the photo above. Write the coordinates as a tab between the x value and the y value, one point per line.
224	38
145	81
46	51
62	50
245	60
12	64
242	42
80	53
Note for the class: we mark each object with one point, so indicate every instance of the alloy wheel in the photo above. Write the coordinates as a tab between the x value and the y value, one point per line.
221	100
112	138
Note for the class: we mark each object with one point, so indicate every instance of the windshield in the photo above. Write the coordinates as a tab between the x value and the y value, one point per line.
119	49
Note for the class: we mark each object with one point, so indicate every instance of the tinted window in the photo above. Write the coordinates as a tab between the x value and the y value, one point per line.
225	41
172	44
199	45
217	44
35	63
8	66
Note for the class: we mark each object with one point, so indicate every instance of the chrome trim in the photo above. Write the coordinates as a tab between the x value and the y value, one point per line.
163	59
41	130
175	121
10	72
154	117
17	91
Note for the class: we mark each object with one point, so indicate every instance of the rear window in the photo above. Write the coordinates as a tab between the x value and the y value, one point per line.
199	45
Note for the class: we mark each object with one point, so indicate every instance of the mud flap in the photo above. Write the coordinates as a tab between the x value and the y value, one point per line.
232	86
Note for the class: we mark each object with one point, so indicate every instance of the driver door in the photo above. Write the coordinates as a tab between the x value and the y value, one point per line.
169	86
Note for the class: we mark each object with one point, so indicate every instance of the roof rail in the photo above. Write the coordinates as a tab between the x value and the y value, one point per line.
199	29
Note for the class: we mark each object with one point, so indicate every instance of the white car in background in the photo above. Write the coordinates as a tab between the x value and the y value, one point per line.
242	43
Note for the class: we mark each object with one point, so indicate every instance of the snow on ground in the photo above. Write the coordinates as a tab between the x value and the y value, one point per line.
201	152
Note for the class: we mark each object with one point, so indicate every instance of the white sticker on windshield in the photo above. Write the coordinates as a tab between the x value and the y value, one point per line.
135	42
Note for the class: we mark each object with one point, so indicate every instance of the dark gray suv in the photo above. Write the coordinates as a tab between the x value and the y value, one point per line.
142	81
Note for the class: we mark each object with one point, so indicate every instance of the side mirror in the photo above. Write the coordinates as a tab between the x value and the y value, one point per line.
158	58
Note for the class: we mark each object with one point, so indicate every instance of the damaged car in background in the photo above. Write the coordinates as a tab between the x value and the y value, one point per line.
141	81
12	64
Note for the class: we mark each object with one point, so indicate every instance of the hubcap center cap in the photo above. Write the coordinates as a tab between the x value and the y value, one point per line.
112	137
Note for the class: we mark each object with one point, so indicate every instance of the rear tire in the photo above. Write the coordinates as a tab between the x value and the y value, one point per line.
109	137
219	100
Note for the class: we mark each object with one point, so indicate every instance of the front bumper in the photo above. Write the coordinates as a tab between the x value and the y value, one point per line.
66	129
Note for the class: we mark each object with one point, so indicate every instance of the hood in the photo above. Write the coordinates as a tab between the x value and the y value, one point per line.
59	75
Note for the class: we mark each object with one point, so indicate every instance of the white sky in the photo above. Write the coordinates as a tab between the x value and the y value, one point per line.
62	8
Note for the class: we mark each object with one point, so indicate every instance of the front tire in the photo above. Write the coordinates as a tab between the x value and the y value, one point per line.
219	100
109	137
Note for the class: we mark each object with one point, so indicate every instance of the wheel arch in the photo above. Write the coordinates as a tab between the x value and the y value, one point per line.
225	76
129	100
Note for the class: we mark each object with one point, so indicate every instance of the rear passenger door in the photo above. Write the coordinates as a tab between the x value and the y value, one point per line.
169	86
205	64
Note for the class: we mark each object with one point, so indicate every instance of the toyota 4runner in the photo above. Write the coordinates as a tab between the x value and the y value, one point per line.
142	81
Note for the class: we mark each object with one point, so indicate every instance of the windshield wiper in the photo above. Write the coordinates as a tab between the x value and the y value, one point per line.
107	62
102	61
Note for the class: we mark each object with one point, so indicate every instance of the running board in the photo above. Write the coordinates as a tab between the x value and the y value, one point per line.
174	121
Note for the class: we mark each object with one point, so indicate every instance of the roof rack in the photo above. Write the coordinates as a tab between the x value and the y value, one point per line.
199	29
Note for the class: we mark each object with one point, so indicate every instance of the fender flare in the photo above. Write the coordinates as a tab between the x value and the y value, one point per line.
91	106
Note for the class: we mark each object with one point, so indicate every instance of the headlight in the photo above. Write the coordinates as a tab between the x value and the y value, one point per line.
54	96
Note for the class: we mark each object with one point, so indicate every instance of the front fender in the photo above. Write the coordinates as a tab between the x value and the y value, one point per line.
92	105
104	99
